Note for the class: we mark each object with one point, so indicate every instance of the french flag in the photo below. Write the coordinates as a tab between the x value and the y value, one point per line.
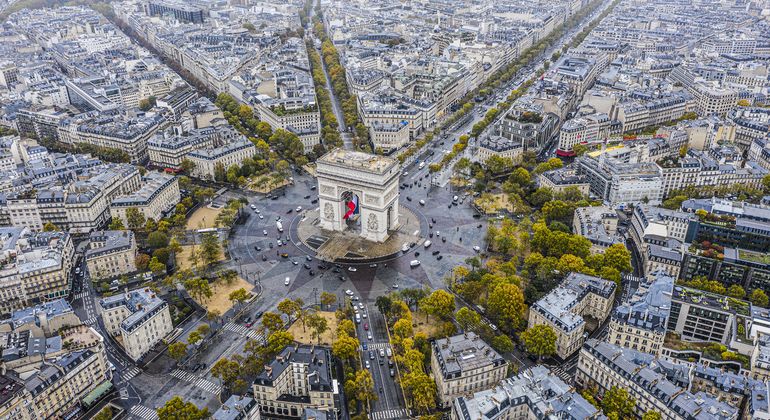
352	207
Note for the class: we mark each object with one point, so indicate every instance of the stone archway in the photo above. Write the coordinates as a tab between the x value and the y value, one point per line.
371	180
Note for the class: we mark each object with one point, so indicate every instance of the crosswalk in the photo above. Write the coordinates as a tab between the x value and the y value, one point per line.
376	346
81	295
142	412
201	383
399	413
128	375
561	373
244	331
90	321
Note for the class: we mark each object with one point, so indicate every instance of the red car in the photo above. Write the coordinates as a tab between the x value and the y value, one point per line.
366	326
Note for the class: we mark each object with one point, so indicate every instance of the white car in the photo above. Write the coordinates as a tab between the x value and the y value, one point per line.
476	248
369	335
414	263
261	216
299	209
253	207
257	210
286	282
361	305
264	232
368	366
352	269
349	292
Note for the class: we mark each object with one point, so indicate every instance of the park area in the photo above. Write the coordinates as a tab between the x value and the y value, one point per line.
305	337
265	183
220	301
493	203
183	257
203	218
422	324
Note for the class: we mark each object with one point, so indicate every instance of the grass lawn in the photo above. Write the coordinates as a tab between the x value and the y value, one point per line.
493	202
422	324
220	301
304	336
203	218
183	257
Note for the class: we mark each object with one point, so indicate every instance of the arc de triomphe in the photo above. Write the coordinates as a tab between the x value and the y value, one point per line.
366	182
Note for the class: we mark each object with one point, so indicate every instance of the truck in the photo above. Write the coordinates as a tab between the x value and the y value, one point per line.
279	226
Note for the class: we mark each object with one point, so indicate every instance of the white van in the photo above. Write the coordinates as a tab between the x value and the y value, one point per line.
414	263
358	318
427	244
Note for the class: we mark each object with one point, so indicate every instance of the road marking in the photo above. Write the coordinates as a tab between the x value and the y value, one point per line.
376	346
389	414
198	382
244	331
142	412
127	376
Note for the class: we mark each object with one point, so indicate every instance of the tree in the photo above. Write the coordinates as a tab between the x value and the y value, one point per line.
318	325
502	343
403	328
226	370
239	296
467	318
736	291
177	350
141	260
506	306
50	227
209	249
540	340
289	307
412	296
383	304
328	299
195	337
439	303
157	240
619	257
272	322
116	224
278	341
651	415
362	387
345	347
156	266
134	218
104	414
346	326
759	298
176	408
422	390
616	400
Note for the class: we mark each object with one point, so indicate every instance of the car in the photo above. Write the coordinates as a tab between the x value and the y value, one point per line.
258	314
313	201
395	285
257	210
390	362
381	362
308	257
405	248
286	282
382	352
294	262
307	266
361	305
261	217
274	198
476	248
443	239
298	209
264	232
342	278
312	188
405	173
356	298
279	243
335	270
284	255
264	258
253	207
422	202
289	211
352	269
414	263
349	292
440	257
436	252
479	226
366	325
408	198
368	366
371	354
306	197
247	320
312	273
271	245
369	336
364	346
392	373
372	265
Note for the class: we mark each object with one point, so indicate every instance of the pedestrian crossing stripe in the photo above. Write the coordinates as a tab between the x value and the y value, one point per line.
127	376
142	412
376	346
201	383
244	331
399	413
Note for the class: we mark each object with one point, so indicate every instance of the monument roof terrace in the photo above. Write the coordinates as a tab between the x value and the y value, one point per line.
358	160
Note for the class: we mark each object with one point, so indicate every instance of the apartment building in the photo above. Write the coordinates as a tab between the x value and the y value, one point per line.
729	223
139	317
233	153
617	182
169	148
711	99
238	407
389	137
44	319
640	323
298	378
564	309
35	267
535	393
559	180
111	253
157	196
760	358
463	364
489	145
118	131
655	384
528	124
636	114
587	129
599	225
697	315
659	235
737	266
